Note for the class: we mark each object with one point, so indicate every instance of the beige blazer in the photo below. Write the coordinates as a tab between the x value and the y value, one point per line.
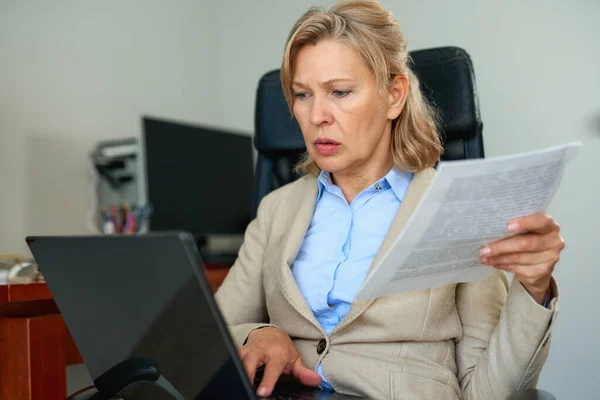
478	340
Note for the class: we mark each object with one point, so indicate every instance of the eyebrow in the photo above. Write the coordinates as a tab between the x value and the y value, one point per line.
324	84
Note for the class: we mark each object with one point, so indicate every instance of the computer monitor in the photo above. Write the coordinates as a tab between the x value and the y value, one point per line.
199	179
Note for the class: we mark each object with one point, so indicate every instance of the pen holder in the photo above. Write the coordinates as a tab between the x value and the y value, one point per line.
123	219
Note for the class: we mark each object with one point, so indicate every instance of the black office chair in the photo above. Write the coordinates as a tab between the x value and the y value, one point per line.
447	80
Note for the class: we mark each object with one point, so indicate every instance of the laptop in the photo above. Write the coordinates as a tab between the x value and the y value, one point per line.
144	318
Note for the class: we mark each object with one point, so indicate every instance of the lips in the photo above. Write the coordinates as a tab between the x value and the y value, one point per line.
326	146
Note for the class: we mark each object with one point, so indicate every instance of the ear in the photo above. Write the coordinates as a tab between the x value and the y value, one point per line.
397	94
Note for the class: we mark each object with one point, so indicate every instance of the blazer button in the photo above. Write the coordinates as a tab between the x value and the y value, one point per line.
321	346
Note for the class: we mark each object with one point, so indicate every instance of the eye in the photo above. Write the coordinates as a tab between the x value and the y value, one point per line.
301	95
340	93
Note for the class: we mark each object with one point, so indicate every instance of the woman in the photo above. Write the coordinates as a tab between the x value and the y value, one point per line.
371	143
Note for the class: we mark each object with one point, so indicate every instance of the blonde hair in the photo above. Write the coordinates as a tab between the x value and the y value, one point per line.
371	31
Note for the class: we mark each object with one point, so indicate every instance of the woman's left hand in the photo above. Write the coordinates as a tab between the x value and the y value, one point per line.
531	255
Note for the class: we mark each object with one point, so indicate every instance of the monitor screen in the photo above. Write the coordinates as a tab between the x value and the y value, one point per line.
199	179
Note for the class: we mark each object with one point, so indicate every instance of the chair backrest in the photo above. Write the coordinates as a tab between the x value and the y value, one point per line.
447	80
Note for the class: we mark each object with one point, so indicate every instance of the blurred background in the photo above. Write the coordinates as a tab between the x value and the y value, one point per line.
74	75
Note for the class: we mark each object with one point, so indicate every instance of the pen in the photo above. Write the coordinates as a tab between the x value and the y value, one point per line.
108	226
115	218
124	219
143	217
131	224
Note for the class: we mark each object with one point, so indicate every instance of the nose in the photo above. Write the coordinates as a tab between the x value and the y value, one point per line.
320	112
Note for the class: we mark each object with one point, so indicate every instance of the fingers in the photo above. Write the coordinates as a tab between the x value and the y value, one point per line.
306	376
538	223
251	362
275	367
527	272
274	349
272	373
526	243
522	258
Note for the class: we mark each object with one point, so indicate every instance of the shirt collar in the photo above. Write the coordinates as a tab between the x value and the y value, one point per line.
324	182
397	179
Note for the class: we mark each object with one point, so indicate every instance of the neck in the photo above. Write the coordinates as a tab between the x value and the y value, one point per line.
356	179
352	184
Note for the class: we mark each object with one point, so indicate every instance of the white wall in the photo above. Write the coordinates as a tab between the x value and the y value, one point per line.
75	74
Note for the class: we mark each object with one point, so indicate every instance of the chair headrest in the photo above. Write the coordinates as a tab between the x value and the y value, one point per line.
447	80
275	128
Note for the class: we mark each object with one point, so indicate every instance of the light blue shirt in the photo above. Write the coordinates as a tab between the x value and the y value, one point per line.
341	242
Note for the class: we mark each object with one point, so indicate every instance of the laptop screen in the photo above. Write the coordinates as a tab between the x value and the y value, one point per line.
140	296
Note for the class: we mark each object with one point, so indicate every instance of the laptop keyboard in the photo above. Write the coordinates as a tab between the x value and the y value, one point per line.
289	389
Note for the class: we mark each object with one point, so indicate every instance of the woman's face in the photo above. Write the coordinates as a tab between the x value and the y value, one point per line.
344	118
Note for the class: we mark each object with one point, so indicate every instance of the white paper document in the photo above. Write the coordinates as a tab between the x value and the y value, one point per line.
467	205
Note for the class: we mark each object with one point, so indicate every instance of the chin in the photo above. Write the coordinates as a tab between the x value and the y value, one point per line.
329	164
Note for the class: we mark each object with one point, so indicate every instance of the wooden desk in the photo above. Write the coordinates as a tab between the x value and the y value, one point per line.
35	344
32	344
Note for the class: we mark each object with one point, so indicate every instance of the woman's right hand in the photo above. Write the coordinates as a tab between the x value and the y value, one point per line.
274	349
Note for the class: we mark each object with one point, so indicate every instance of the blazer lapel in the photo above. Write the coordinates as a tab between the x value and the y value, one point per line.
300	214
411	199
